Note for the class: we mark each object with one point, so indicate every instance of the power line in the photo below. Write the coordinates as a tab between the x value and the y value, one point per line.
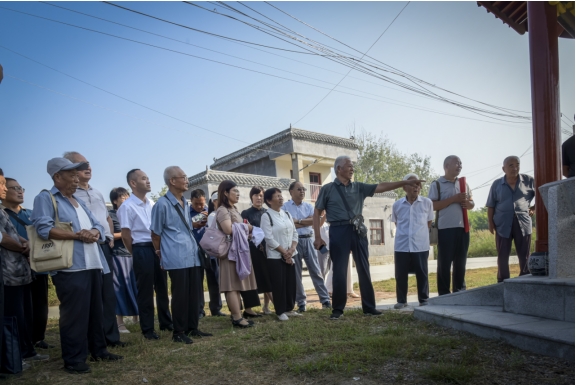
350	70
492	179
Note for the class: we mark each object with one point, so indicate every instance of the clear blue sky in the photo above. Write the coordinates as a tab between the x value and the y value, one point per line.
456	45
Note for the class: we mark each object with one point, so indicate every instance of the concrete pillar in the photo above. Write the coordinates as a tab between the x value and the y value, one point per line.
544	77
297	165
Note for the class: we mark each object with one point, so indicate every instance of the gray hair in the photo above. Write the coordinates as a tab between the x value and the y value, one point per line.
169	173
449	159
411	175
340	162
510	157
70	155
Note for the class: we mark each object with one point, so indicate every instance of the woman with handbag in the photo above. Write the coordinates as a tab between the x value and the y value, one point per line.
281	242
124	277
258	253
230	283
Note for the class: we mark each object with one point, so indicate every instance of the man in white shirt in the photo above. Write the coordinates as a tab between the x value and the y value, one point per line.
97	205
135	216
413	216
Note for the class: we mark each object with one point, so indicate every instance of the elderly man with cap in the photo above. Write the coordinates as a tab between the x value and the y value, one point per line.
343	201
413	216
79	288
96	203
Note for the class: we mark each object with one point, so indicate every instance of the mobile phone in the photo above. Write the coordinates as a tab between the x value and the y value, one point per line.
323	249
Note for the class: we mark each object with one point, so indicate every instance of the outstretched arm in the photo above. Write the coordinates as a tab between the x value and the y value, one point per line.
389	186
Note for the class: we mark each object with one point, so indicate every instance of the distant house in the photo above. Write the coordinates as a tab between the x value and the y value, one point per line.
301	155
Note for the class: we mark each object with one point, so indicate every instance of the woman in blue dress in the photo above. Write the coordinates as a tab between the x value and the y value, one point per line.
124	278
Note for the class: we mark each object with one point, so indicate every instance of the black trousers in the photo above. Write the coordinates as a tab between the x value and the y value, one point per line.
186	291
343	240
283	280
39	294
81	319
212	279
452	253
151	278
18	303
109	299
416	262
250	298
504	246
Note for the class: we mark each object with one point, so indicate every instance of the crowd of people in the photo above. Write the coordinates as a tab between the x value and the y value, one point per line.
121	258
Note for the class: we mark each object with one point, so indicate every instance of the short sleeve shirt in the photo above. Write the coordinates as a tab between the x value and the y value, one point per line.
508	203
412	234
97	205
450	216
354	193
301	211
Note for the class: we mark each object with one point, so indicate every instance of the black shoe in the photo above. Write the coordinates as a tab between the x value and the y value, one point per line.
373	312
117	344
107	357
151	336
182	338
327	305
198	333
237	324
167	329
248	315
219	314
43	345
301	308
335	316
79	368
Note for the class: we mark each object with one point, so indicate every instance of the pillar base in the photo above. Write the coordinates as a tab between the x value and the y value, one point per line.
538	263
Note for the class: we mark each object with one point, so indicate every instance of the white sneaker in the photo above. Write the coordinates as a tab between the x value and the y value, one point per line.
122	329
400	305
294	313
283	317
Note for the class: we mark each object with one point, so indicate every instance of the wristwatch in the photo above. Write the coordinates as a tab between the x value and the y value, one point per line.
299	221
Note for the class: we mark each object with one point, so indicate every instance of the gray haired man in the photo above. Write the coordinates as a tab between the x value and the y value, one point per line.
336	198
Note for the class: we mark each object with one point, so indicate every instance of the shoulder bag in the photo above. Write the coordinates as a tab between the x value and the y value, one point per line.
204	259
356	220
51	254
434	227
215	242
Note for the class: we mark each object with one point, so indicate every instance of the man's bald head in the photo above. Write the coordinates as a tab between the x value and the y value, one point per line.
510	158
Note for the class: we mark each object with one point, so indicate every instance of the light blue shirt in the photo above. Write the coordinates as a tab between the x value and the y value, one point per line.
302	211
178	249
43	220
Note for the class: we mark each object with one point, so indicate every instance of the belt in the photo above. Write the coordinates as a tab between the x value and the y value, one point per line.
339	223
305	236
143	244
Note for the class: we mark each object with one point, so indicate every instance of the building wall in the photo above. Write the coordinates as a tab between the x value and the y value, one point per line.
283	168
263	166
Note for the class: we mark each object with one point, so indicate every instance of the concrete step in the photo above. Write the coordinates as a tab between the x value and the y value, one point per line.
540	297
535	334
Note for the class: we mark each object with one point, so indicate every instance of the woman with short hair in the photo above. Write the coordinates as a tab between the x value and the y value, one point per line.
281	242
124	278
230	283
258	253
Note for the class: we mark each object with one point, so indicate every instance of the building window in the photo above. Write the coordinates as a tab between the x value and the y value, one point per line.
376	232
315	185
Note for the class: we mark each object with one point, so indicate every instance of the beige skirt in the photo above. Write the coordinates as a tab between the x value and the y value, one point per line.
229	280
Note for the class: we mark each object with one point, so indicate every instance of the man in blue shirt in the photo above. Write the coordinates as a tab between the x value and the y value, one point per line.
178	252
302	213
198	206
20	218
509	213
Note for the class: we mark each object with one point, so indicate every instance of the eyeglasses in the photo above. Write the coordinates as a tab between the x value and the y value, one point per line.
17	188
302	189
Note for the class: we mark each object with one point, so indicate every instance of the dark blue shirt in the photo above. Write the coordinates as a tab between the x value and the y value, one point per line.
198	233
24	216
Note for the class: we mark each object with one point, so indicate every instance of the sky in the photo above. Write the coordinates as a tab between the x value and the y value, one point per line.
198	110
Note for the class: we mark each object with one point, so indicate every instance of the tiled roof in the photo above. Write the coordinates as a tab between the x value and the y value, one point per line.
285	135
215	177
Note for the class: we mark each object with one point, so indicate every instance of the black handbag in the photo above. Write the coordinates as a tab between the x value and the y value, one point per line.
204	258
11	356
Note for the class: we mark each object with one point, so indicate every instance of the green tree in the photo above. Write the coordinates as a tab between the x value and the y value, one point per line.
160	194
478	219
380	161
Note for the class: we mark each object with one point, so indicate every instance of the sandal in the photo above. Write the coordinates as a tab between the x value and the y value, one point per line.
122	329
266	311
238	324
353	295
